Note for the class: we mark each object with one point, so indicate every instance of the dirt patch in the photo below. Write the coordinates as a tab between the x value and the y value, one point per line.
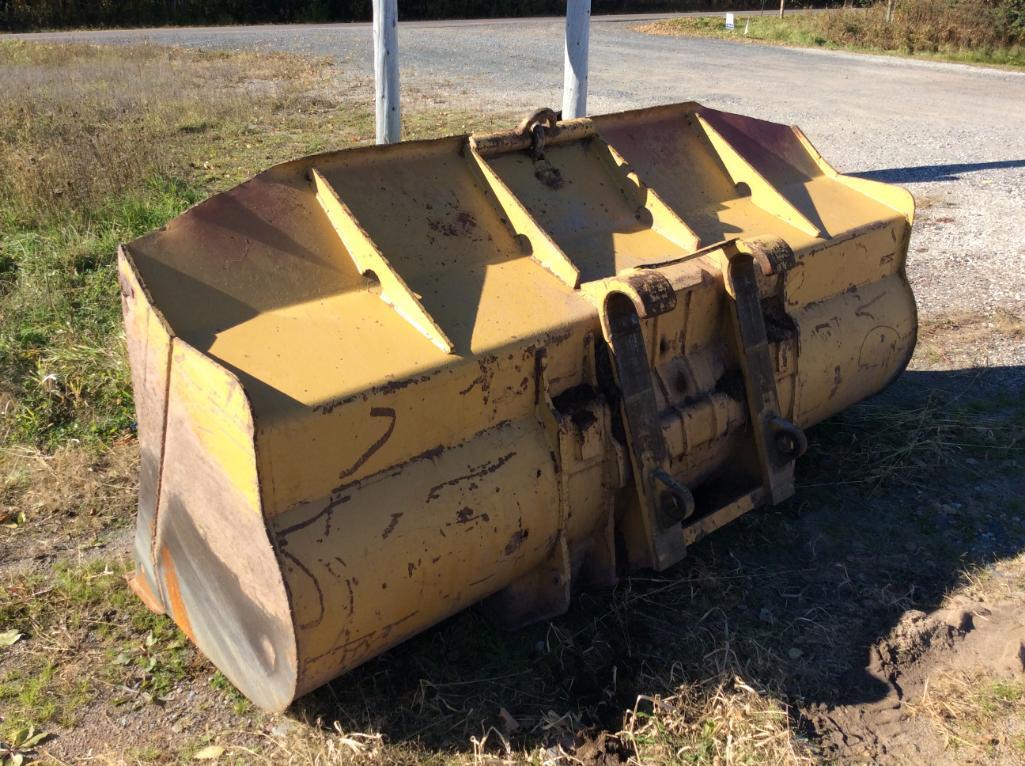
969	640
72	505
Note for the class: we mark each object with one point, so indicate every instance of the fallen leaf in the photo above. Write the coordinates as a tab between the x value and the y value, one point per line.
10	637
33	739
209	753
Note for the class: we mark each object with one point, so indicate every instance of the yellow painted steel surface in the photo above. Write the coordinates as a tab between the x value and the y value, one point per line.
379	385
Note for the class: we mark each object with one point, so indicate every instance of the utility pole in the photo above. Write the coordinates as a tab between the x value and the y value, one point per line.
386	71
574	88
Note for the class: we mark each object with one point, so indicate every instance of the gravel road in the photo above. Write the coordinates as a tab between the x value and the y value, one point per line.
951	134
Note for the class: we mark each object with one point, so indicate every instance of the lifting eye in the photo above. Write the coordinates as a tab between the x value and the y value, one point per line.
790	440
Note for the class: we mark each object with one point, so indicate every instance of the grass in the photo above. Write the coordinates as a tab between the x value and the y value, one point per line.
100	145
82	632
977	713
71	502
727	721
963	32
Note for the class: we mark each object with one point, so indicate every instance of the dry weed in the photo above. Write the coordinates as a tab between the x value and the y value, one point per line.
63	501
974	711
1000	582
81	123
723	721
882	444
960	30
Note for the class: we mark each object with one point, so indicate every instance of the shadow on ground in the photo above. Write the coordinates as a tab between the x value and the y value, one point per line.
897	500
923	173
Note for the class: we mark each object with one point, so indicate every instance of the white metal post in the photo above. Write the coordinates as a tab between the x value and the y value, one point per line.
574	89
386	71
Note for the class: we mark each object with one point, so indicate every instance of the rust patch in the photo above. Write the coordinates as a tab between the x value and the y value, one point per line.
548	174
555	337
515	542
140	587
466	515
127	291
384	389
461	225
174	595
428	454
487	365
655	291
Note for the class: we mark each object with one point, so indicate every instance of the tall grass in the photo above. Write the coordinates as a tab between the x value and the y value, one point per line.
976	31
100	144
931	26
97	146
81	124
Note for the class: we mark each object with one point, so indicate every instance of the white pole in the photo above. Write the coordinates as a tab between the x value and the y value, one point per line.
574	89
386	71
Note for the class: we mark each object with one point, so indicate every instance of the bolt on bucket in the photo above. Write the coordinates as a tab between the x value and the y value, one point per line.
377	386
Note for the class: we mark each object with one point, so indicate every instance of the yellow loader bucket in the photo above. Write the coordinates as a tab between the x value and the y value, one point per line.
379	385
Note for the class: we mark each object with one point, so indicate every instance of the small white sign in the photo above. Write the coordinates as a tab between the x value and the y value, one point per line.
729	21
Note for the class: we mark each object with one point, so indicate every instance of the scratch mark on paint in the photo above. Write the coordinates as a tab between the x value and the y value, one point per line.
391	525
515	541
481	470
837	380
316	585
860	311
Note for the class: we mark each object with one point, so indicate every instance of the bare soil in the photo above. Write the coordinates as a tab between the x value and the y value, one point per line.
969	637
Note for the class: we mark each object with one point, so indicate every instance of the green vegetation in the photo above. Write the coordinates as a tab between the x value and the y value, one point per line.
969	31
93	158
973	710
61	357
85	633
100	145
